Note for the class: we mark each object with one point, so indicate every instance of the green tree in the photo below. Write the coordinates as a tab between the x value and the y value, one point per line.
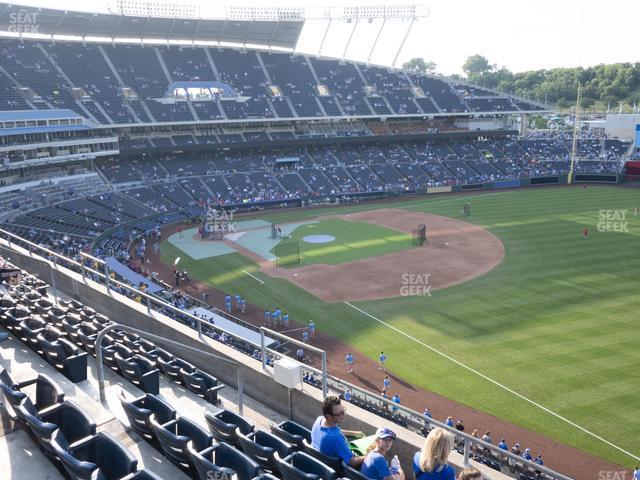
420	65
476	65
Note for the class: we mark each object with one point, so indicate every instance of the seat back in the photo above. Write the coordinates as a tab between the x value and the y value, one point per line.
289	471
351	473
309	464
333	462
224	423
292	432
229	457
205	468
140	409
72	420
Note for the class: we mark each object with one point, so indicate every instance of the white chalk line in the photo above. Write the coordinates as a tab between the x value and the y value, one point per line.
253	276
504	387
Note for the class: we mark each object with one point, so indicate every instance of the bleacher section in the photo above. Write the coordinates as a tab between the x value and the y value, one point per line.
122	84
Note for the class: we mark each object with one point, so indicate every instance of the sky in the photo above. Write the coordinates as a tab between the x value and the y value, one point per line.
518	34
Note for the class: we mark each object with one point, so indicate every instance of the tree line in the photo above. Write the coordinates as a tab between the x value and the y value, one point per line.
603	86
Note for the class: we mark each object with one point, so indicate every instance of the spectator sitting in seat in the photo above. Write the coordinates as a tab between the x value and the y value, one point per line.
375	466
470	474
431	462
327	436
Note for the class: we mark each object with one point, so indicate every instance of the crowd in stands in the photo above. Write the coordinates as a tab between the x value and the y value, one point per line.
68	215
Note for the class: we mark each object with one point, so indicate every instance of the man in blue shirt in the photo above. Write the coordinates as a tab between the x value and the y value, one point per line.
327	437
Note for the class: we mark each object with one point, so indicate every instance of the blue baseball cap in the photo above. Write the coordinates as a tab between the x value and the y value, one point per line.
384	432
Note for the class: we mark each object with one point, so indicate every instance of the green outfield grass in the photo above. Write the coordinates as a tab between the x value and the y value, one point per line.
353	241
558	321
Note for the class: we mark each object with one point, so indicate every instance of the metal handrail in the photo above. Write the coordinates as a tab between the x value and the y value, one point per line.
418	419
414	416
126	328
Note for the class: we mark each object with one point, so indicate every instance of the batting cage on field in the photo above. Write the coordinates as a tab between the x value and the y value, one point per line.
287	253
420	235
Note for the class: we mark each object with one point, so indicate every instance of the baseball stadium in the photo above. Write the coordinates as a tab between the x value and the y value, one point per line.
200	244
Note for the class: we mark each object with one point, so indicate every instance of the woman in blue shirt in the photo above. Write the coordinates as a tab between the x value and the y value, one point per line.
431	462
375	465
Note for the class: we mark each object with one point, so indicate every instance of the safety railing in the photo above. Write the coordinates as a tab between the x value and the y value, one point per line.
140	333
327	381
415	419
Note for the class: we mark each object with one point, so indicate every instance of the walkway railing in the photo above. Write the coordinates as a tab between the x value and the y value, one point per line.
328	381
126	328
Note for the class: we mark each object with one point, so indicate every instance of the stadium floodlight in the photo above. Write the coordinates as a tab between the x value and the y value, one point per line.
157	8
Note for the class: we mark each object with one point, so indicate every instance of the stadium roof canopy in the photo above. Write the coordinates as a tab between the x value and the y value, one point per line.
277	26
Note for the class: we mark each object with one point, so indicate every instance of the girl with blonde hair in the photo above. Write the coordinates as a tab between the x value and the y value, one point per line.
431	462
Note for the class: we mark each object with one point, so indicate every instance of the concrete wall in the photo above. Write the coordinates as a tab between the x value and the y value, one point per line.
305	405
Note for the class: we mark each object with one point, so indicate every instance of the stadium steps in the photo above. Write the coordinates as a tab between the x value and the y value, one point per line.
386	102
163	65
117	76
309	189
22	363
264	68
320	106
272	108
313	71
70	84
212	65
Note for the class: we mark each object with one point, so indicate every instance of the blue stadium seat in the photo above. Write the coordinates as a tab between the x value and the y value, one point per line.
334	462
140	409
221	459
141	372
351	473
300	466
262	447
100	457
225	426
202	384
74	423
63	355
48	393
174	435
292	432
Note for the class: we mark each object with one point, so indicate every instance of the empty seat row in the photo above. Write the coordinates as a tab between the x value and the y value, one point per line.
66	434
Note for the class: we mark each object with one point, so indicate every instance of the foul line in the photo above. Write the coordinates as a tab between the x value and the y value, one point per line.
254	277
504	387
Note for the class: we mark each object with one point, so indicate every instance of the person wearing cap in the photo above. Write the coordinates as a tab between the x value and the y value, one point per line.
375	466
430	463
527	454
329	438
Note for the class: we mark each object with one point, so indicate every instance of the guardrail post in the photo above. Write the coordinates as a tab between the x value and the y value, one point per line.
106	278
199	329
264	349
148	305
240	390
82	271
324	375
467	452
